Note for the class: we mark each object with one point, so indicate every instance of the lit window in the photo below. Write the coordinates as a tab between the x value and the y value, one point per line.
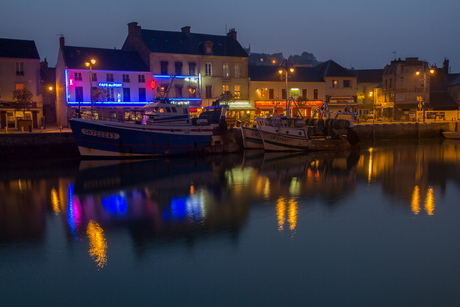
225	88
335	83
237	91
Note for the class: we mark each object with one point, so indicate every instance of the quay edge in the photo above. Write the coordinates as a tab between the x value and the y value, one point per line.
62	144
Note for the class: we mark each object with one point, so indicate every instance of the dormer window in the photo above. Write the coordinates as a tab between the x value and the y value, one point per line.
208	48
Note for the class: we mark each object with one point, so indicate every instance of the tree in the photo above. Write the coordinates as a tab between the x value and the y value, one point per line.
100	95
227	96
23	98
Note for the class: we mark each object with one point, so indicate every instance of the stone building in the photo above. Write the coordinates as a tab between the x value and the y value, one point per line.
19	69
204	66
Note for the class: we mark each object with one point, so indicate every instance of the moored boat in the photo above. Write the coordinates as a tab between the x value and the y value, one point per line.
285	134
451	135
158	134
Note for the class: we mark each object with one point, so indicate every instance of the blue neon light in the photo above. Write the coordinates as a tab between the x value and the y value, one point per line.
102	84
185	99
109	103
176	77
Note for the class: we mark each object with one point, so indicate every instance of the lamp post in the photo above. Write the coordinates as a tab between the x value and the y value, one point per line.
431	71
286	74
90	65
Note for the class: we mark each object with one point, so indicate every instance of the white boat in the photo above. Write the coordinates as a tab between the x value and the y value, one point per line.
251	135
451	135
285	134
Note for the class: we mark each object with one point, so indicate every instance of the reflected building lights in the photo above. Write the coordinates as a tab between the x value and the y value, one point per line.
293	211
74	214
267	189
415	203
369	177
429	201
98	244
55	201
290	207
281	212
294	186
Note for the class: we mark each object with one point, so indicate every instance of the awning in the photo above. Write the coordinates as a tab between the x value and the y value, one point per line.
240	105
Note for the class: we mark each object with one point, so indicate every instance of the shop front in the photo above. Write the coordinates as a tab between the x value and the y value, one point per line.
267	108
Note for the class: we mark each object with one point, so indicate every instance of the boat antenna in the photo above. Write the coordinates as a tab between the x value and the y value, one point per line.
169	87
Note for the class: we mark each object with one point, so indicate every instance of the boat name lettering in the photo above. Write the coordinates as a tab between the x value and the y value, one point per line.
101	134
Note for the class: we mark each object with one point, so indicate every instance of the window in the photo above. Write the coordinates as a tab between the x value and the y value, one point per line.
178	91
225	70
94	76
208	69
20	69
77	76
191	68
164	67
208	91
237	91
110	95
126	78
142	96
20	86
79	93
126	94
283	93
178	68
225	88
390	83
335	83
346	83
141	78
271	93
237	71
109	77
315	93
304	93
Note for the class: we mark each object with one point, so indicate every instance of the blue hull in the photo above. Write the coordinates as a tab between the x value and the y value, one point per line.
110	139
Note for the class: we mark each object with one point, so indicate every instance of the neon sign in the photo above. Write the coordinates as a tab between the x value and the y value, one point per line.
110	84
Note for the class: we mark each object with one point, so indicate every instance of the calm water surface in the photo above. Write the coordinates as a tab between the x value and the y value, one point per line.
375	227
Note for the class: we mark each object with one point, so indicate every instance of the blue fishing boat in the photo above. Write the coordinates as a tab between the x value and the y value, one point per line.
166	129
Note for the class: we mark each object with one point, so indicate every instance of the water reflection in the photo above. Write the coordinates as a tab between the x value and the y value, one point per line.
191	198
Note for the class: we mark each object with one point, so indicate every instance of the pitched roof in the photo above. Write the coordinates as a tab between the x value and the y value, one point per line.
270	73
16	48
180	43
368	75
107	59
332	69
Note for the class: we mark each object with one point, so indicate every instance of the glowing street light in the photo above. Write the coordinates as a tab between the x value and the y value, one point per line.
431	71
90	65
286	72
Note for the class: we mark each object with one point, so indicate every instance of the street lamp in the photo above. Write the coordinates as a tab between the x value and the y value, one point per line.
431	71
90	65
286	71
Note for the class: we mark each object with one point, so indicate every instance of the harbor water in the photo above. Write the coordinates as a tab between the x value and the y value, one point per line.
377	226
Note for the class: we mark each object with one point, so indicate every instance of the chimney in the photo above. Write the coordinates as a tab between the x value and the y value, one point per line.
232	33
62	41
186	30
134	29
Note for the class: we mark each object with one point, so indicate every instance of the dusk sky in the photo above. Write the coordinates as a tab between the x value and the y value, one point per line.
355	33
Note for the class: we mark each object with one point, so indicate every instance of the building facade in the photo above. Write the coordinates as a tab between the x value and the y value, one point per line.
20	70
116	86
201	68
309	87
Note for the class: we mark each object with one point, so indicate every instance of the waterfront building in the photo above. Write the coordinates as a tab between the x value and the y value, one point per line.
412	86
19	70
115	86
205	67
369	84
309	87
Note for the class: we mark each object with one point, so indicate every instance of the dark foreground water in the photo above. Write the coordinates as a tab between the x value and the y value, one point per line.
375	227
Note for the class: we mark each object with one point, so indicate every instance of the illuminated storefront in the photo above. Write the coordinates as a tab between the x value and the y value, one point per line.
277	107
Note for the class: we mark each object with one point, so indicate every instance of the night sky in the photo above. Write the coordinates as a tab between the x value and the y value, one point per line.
355	33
